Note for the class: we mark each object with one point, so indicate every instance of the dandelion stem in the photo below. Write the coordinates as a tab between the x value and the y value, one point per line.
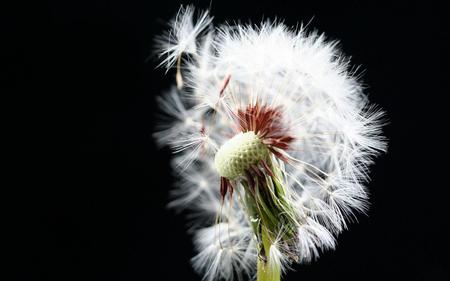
266	270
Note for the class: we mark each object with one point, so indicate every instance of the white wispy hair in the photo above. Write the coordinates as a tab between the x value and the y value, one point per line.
181	39
313	238
335	135
225	251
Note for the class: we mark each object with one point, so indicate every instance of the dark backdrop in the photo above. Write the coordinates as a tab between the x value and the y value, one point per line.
92	188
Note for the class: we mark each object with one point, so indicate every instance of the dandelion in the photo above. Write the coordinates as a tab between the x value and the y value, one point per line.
274	137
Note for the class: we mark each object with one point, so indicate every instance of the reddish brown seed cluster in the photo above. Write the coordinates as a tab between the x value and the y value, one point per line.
267	122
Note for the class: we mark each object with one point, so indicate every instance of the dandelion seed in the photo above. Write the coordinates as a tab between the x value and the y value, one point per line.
274	137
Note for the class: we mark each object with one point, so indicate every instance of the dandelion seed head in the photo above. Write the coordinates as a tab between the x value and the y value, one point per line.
274	137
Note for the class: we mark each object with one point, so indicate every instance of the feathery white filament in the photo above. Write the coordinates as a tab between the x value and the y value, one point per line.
183	35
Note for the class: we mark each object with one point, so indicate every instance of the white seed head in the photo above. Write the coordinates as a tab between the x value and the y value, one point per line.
239	153
266	92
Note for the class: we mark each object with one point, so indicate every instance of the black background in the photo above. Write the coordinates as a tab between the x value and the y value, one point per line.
90	188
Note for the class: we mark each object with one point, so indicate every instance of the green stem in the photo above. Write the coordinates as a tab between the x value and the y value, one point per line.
265	270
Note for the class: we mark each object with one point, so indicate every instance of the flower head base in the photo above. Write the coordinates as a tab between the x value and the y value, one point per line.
274	137
239	154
